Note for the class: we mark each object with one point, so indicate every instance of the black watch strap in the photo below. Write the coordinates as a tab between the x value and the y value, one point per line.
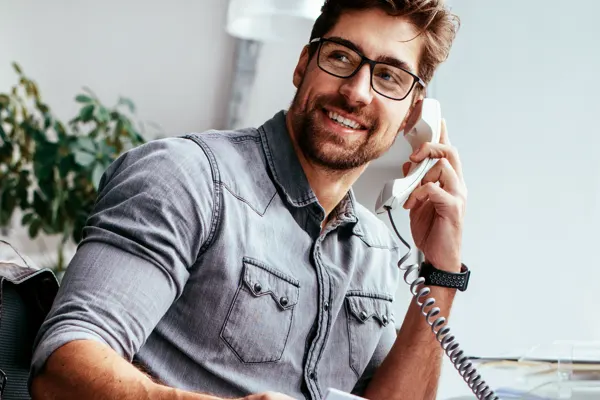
437	277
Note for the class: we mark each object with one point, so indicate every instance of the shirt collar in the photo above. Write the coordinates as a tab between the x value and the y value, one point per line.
288	173
283	161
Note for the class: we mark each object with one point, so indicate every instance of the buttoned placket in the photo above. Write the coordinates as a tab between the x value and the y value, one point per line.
323	318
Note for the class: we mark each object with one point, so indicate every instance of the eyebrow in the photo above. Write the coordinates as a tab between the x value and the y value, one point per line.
383	59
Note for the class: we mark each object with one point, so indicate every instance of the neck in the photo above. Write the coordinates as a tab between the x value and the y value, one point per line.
330	186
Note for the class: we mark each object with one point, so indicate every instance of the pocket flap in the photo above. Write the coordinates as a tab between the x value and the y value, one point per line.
364	307
262	280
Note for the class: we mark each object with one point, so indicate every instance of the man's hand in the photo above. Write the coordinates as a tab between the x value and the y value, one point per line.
437	206
268	396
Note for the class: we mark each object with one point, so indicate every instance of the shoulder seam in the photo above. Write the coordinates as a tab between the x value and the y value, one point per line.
216	178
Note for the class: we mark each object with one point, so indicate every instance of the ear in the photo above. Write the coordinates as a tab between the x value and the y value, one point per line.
413	115
301	67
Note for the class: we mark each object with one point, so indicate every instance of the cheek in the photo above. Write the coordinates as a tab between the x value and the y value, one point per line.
400	117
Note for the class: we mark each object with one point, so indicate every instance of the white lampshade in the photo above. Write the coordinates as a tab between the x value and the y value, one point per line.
272	20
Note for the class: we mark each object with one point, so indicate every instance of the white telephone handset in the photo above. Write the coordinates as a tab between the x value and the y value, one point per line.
394	194
427	129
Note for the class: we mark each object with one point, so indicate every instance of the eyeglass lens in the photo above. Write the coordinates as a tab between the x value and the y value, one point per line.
339	60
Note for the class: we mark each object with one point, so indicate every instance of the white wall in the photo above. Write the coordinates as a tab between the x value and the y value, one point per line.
521	96
173	58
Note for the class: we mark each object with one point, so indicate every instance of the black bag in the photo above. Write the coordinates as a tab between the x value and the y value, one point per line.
26	295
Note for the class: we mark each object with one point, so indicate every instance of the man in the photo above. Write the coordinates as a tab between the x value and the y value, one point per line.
236	264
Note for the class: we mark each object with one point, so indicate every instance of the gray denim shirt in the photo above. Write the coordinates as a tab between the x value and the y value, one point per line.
204	262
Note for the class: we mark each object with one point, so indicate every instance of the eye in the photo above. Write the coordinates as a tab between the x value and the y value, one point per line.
339	56
388	77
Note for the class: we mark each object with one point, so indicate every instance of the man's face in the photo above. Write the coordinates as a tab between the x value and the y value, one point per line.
320	95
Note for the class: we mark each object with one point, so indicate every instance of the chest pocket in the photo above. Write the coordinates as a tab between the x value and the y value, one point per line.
261	315
367	316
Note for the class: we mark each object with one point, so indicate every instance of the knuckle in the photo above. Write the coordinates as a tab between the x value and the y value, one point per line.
429	186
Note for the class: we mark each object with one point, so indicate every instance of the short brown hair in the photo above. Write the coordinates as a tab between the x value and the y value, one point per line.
431	18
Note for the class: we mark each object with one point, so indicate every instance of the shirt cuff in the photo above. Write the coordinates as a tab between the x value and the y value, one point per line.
52	341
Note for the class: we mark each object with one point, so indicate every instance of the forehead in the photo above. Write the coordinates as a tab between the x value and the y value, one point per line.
379	34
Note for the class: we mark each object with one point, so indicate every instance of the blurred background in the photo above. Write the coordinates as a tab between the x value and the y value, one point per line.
520	94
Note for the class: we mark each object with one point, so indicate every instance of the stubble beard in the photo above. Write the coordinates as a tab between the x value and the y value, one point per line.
327	149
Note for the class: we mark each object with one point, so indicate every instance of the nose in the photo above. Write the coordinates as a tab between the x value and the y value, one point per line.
357	89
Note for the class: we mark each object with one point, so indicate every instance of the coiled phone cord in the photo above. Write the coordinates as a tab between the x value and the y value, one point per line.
440	326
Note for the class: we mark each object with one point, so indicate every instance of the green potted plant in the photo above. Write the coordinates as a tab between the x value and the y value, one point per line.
50	170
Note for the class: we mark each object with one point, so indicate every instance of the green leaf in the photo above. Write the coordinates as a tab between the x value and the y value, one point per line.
90	92
27	218
127	102
42	107
67	164
4	100
82	98
97	175
102	114
47	121
46	153
3	135
85	144
9	203
34	228
6	152
119	128
40	205
21	188
84	158
106	149
59	127
87	113
17	68
46	186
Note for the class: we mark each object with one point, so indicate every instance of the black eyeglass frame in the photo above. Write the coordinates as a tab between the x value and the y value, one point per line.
365	60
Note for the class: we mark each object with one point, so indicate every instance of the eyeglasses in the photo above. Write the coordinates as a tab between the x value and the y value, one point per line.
341	61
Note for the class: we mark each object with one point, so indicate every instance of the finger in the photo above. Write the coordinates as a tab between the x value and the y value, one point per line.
438	151
406	168
443	173
445	204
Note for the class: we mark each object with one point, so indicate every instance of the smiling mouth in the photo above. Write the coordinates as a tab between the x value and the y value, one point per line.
345	122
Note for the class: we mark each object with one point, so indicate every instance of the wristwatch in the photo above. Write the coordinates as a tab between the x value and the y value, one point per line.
437	277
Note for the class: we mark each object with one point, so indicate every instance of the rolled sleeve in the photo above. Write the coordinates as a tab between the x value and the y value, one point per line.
152	215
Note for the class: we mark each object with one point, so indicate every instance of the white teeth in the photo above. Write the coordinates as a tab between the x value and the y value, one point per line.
344	121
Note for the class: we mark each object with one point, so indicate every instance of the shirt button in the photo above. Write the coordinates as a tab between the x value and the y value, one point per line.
257	287
283	301
384	319
326	306
311	375
363	316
